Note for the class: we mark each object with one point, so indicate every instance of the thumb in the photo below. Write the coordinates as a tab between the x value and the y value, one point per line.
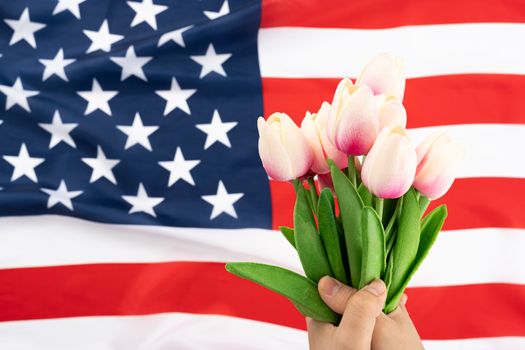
335	294
362	310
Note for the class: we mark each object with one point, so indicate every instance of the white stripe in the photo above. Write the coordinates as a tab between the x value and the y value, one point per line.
175	331
60	240
183	332
474	256
501	343
459	257
426	50
491	150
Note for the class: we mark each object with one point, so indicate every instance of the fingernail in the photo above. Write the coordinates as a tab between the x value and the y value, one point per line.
329	286
376	287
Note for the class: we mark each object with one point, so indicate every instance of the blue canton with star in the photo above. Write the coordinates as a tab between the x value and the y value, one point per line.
136	112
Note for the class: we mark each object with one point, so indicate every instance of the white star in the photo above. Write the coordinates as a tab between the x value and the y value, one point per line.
224	10
97	98
101	166
211	62
131	64
70	5
16	95
59	131
179	168
223	202
61	195
176	97
137	133
216	131
24	29
24	164
142	203
101	39
56	66
146	11
175	36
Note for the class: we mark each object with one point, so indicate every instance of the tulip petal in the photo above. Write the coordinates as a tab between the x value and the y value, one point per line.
385	75
343	90
273	155
298	150
392	113
390	166
437	171
310	131
358	124
321	122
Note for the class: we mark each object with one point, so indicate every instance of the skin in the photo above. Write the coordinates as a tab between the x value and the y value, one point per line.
363	326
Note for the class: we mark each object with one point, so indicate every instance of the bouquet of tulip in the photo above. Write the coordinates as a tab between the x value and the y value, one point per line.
362	155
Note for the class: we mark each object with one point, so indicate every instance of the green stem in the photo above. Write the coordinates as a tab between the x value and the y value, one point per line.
296	183
351	170
358	174
423	205
379	207
390	227
313	193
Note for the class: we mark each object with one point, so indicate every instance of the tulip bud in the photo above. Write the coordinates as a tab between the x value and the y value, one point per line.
438	159
390	166
313	127
284	151
392	113
384	74
353	123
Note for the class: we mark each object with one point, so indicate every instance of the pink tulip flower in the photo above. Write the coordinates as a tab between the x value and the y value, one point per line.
384	74
285	153
313	127
390	166
353	123
438	159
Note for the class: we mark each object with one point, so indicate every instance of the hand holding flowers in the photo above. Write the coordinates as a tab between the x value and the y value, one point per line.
361	153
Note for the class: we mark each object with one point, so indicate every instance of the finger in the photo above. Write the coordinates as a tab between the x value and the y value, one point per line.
400	310
334	293
403	300
318	332
361	312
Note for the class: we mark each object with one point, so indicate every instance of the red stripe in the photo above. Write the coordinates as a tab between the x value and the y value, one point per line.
206	288
374	14
472	203
442	100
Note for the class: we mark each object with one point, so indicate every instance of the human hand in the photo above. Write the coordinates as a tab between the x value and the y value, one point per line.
363	326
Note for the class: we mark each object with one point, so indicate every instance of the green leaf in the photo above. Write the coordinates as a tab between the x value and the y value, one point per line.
288	233
342	243
330	236
373	263
390	241
389	272
430	228
407	241
301	291
351	207
365	195
307	240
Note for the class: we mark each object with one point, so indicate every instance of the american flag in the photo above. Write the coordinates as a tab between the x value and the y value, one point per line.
130	174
